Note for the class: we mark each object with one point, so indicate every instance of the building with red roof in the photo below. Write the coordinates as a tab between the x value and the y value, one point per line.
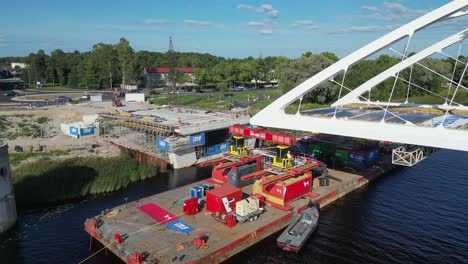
159	76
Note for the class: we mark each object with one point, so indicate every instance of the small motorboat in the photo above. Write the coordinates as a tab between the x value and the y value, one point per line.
300	229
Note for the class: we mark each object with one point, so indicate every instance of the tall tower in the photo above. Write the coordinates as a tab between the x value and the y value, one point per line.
171	64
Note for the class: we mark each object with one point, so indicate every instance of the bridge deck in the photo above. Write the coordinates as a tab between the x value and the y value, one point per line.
421	116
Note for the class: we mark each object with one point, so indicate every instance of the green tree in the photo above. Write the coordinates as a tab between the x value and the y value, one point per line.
125	58
88	77
302	69
58	66
105	60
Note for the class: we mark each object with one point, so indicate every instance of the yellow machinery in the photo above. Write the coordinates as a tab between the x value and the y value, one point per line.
282	159
238	148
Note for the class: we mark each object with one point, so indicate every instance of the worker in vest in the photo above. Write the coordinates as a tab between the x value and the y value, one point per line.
290	157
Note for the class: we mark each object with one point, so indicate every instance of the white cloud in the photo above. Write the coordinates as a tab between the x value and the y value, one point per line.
273	13
392	27
392	11
3	41
158	21
370	8
312	27
265	32
247	7
256	24
266	9
395	7
299	23
362	29
191	22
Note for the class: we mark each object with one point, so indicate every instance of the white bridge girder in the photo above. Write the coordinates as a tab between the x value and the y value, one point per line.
439	137
353	96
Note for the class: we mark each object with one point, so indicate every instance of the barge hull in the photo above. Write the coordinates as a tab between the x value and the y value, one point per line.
159	243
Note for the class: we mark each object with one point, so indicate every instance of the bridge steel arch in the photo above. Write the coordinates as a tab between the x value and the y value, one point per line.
440	137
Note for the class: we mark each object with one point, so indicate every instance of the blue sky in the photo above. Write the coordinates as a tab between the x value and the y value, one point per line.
225	28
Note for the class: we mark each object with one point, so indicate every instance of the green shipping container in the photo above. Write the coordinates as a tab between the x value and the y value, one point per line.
327	147
314	149
341	157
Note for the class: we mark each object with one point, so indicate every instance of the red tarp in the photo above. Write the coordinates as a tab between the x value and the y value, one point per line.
159	214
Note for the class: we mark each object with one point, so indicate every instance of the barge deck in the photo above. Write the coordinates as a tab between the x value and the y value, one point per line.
158	242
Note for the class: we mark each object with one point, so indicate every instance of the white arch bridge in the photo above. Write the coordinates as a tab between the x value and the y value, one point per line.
357	115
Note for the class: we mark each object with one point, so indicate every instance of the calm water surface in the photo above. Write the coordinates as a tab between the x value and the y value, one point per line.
413	215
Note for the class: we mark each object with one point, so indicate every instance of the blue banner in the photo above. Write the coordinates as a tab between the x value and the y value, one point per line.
87	131
162	144
197	139
216	149
223	147
74	131
180	227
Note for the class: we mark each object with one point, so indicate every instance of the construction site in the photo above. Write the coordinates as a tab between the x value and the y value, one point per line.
256	186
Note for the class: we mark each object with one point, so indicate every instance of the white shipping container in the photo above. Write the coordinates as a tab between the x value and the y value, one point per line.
134	97
96	98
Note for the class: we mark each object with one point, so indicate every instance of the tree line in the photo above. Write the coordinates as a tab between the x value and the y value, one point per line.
108	65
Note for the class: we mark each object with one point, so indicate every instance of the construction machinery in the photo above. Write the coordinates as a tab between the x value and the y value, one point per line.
238	149
282	159
116	101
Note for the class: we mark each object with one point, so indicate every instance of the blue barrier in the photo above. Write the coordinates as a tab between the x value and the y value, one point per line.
86	131
216	149
162	144
198	139
74	131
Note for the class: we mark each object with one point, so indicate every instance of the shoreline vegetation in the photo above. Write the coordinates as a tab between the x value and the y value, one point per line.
48	181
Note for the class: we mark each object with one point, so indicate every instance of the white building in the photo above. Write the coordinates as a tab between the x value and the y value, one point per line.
19	64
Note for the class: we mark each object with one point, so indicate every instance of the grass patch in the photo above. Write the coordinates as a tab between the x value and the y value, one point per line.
59	88
42	119
212	102
292	108
18	157
221	101
49	181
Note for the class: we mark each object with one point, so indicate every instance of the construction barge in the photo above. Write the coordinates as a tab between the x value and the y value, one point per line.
196	224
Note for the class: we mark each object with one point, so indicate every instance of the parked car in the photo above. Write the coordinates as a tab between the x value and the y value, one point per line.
85	96
10	93
62	98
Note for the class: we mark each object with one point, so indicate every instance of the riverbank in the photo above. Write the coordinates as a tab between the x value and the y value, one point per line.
47	181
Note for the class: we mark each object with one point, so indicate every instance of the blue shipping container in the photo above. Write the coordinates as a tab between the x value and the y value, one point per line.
363	159
162	144
74	131
197	191
87	131
373	156
198	139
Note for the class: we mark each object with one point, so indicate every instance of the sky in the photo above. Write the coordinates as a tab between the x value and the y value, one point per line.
228	28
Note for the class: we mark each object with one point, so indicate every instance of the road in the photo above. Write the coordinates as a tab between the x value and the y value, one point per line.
7	100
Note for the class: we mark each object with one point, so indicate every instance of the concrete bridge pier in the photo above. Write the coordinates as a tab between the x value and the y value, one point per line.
7	198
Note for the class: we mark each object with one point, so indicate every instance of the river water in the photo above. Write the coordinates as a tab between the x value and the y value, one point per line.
412	215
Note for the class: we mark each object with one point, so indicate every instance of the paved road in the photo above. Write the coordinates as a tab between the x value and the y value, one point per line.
6	100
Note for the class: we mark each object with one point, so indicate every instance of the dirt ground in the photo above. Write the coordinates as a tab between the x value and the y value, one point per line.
14	121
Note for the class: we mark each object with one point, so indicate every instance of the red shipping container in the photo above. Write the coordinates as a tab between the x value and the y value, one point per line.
190	206
223	199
